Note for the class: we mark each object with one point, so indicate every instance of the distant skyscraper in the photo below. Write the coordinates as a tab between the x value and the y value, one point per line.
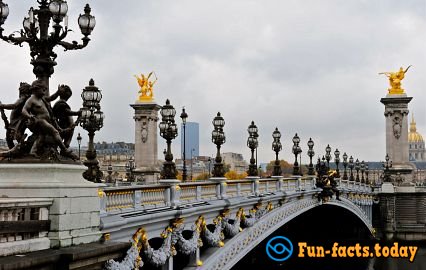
192	140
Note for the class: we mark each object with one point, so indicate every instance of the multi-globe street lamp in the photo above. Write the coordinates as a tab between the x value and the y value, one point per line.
351	167
168	130
345	164
276	147
218	138
337	161
130	167
79	138
295	150
367	181
357	167
362	171
328	155
36	34
92	119
252	143
184	116
387	165
311	153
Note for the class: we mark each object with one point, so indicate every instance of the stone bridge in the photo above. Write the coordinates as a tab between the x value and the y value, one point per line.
227	217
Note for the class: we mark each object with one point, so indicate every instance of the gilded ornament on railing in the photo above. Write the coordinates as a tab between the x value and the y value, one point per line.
146	87
395	79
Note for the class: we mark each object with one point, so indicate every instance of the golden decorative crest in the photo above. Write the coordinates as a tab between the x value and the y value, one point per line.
146	86
395	79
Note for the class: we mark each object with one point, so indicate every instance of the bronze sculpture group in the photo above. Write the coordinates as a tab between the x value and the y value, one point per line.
326	180
51	128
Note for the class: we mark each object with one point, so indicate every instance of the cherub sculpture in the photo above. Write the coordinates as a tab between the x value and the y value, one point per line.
395	79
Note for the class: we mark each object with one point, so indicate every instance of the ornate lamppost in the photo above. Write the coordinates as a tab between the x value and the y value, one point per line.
357	167
367	181
79	144
210	164
109	171
218	138
130	166
168	130
295	150
328	155
337	161
36	34
276	147
387	165
184	115
345	164
92	119
311	153
351	167
252	143
362	171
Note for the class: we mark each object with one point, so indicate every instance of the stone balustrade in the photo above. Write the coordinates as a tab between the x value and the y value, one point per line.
24	225
174	192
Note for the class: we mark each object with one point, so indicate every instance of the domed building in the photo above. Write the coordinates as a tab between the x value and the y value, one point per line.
416	148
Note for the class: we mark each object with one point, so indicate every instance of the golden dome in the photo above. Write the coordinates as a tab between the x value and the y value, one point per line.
413	135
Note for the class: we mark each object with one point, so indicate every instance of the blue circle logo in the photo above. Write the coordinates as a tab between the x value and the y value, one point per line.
279	248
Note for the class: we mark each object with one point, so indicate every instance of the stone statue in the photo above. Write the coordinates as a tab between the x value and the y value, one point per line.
64	115
395	79
15	127
397	126
33	111
146	87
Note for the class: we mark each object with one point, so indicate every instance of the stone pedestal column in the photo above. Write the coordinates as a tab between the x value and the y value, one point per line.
146	158
396	112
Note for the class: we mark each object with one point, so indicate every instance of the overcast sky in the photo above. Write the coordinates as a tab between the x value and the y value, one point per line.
309	67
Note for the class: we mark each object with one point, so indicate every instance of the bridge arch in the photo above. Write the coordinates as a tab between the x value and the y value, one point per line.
241	244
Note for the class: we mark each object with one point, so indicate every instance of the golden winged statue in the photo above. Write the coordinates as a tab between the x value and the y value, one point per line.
395	79
146	86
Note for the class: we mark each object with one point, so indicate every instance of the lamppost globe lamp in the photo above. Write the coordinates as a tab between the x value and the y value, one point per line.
328	155
92	120
276	147
311	153
337	161
218	138
168	130
351	167
184	116
295	150
345	164
362	171
357	167
41	40
252	143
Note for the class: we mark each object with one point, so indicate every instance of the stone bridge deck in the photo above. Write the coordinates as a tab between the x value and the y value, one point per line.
181	216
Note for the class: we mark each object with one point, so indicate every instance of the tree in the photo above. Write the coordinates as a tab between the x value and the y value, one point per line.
202	176
233	175
286	167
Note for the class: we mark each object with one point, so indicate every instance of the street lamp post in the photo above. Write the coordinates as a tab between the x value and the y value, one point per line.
210	164
252	143
92	119
362	171
351	167
357	167
130	166
79	144
296	141
345	164
367	181
311	153
328	155
387	165
168	130
276	147
36	34
218	138
184	115
337	161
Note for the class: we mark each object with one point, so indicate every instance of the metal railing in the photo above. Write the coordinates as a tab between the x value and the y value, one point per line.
175	193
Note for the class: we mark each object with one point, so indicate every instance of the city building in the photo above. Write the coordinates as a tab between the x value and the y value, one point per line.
192	140
416	143
235	161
